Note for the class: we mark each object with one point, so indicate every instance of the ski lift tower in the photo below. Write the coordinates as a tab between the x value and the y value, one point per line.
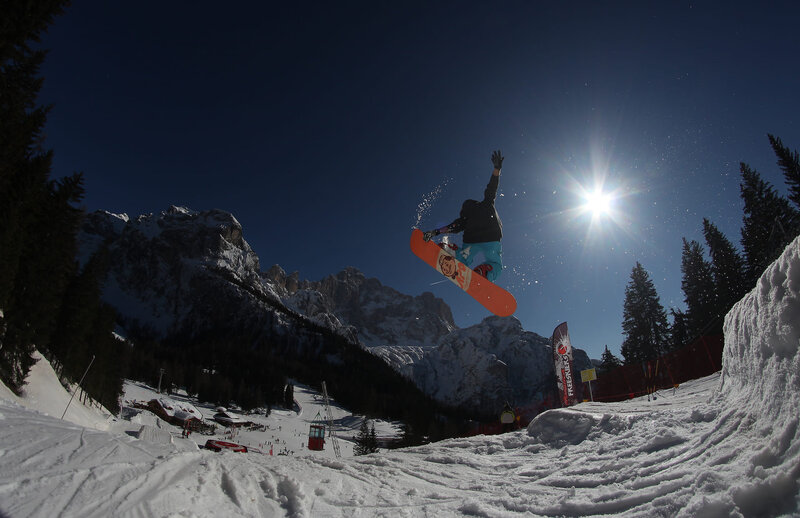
329	417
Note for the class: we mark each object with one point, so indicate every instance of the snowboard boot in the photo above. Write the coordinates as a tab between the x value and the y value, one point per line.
483	270
445	246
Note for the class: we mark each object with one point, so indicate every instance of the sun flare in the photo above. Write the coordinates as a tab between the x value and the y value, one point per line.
597	202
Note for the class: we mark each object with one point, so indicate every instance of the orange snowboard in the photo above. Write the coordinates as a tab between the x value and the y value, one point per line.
490	295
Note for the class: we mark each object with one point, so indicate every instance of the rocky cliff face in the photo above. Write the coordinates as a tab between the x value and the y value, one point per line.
483	366
181	270
380	314
186	271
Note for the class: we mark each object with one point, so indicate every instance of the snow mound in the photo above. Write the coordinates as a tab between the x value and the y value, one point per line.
761	386
564	426
762	337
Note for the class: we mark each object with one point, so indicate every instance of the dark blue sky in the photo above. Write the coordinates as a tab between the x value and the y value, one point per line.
323	126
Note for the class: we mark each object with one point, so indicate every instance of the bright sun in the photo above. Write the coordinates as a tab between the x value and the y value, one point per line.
597	202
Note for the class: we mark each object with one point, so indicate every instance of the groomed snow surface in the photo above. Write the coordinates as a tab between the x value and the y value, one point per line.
725	445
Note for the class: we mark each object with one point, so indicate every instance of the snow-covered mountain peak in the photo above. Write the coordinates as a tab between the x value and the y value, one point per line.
176	209
165	267
214	236
497	327
485	365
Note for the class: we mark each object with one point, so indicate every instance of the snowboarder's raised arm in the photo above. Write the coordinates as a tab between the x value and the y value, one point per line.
490	194
468	209
497	162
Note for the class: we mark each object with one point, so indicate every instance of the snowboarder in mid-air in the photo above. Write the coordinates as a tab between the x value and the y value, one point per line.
482	228
482	234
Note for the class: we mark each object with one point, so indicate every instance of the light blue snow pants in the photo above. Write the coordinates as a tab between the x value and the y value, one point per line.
492	255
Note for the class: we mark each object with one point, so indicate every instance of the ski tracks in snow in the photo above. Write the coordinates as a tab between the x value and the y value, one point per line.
630	459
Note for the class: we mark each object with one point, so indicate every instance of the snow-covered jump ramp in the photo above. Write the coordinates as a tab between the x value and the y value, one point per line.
726	445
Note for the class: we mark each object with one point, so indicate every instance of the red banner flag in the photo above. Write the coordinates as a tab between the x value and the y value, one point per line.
562	356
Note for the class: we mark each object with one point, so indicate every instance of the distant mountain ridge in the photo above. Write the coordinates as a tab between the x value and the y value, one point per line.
380	314
186	271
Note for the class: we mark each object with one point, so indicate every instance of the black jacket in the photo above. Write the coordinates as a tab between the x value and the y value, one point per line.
479	220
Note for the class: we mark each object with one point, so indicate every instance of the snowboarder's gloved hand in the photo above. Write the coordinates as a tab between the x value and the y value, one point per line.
497	160
427	236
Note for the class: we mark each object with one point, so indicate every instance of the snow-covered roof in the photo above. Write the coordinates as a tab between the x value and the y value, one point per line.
173	408
229	416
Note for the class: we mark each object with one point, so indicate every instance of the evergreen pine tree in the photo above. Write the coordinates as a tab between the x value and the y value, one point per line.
76	318
105	380
789	162
698	290
24	164
366	440
608	361
360	448
768	223
33	270
644	321
728	269
679	330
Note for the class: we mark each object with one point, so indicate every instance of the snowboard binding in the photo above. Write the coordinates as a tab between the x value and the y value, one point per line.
483	270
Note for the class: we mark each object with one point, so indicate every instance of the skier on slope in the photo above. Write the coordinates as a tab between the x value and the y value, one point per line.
482	228
507	418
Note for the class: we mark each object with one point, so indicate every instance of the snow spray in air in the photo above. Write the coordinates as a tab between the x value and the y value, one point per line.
424	206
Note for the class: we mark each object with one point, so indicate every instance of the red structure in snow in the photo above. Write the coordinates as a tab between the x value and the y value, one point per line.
316	437
215	445
700	358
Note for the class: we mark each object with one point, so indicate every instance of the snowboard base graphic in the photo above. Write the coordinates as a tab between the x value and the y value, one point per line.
489	295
